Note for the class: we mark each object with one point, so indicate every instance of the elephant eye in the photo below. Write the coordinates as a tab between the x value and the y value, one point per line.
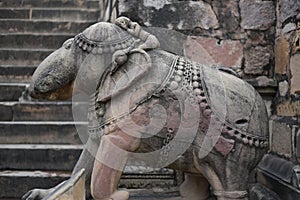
68	43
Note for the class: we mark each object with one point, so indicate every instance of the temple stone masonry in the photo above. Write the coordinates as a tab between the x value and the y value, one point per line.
259	40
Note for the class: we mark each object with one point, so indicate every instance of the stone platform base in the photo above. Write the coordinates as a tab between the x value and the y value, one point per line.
74	189
157	194
153	194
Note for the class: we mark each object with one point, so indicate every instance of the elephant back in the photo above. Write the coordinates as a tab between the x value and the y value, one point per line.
238	104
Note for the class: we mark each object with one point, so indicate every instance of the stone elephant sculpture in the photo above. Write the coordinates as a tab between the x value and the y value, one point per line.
160	108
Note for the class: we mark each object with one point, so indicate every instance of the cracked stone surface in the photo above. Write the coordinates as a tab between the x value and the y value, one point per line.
259	15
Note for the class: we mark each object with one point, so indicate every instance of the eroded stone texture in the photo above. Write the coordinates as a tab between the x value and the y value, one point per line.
158	4
170	40
228	14
258	15
263	81
185	15
211	51
126	6
281	139
282	51
259	192
287	9
203	14
288	109
298	143
295	71
283	87
255	38
289	28
256	58
296	41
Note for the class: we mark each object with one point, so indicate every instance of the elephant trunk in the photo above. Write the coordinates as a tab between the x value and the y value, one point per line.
54	77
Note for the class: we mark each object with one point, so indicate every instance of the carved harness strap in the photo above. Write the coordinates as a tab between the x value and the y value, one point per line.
185	78
188	76
99	127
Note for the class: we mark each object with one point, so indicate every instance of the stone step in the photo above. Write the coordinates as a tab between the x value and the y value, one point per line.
40	111
12	91
33	40
14	56
42	26
50	3
38	132
39	157
16	74
65	14
14	13
14	184
60	14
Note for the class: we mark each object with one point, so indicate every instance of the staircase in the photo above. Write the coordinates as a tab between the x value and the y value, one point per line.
39	145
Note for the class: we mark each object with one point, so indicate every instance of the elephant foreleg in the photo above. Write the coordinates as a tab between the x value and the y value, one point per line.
86	161
110	161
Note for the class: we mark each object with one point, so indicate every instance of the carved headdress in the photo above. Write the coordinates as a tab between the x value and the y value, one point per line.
104	37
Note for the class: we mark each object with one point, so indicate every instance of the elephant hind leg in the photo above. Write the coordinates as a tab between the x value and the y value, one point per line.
220	192
220	188
228	187
195	187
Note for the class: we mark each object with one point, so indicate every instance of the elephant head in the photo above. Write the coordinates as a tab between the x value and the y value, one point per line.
54	79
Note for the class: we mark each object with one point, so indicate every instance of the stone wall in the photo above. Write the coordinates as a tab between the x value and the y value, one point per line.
226	33
285	125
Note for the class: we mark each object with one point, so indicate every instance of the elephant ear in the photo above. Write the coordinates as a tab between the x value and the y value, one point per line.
112	84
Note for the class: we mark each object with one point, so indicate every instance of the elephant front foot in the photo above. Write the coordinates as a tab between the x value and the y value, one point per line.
118	195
